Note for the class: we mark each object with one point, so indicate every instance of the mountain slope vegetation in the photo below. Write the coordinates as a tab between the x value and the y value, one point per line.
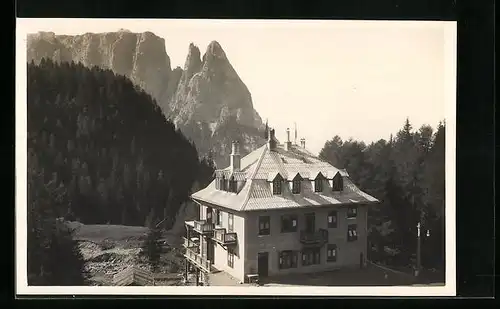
105	143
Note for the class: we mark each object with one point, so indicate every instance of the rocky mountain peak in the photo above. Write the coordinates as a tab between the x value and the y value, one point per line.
215	50
206	95
193	62
140	56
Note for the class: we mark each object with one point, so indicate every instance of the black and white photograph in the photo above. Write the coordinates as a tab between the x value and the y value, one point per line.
245	157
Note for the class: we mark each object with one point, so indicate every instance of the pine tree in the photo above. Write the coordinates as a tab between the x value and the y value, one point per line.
406	174
152	247
53	256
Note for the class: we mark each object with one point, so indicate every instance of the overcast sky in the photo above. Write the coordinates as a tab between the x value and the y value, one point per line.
354	79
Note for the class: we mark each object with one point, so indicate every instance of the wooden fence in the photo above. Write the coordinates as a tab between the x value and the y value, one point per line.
133	276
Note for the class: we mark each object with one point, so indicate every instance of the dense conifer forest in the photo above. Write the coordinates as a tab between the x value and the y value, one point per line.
407	174
100	151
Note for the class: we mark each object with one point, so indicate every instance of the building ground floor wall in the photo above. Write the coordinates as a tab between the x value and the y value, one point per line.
222	260
348	255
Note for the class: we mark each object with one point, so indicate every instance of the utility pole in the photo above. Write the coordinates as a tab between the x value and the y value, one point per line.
417	271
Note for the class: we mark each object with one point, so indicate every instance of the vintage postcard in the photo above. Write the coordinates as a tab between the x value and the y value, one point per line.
235	157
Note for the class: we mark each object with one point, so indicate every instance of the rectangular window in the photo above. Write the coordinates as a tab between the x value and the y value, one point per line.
230	257
209	214
296	186
230	222
218	217
318	185
332	219
288	259
338	183
222	185
264	225
331	253
277	187
352	233
289	223
352	212
232	185
311	257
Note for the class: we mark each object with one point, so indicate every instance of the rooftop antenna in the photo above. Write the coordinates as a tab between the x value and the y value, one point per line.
295	138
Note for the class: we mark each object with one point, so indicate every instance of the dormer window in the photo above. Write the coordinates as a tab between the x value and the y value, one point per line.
317	181
296	186
295	182
318	185
222	185
276	181
232	185
338	183
277	186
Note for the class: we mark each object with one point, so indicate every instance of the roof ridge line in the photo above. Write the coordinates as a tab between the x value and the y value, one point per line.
259	162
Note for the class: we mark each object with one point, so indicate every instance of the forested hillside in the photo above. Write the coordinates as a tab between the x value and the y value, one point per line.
99	151
106	145
407	173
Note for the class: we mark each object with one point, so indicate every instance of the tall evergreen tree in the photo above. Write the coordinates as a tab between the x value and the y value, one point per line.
407	175
152	247
53	256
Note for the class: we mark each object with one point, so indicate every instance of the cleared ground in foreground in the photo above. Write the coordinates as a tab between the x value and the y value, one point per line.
110	249
369	276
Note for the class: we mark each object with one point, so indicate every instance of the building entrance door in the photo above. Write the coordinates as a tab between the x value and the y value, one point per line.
263	264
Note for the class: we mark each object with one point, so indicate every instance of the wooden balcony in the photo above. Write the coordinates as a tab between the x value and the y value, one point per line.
198	261
192	243
316	238
203	227
224	238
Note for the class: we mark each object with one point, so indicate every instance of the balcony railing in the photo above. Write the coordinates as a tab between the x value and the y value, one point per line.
318	237
224	238
198	260
203	227
191	244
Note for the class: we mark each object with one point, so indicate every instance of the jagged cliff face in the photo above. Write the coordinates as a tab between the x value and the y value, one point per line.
210	91
207	100
139	56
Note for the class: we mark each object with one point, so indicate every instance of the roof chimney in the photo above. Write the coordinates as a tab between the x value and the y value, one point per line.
303	142
271	141
288	143
235	156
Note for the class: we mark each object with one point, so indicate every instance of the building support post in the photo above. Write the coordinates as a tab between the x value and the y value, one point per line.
186	270
197	277
417	270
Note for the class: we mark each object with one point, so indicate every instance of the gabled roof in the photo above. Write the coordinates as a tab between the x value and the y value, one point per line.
332	174
316	175
294	176
262	165
273	175
227	174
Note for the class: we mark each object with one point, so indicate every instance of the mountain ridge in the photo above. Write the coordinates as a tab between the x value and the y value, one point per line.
204	96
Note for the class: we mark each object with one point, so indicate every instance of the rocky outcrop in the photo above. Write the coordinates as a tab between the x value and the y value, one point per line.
206	99
140	56
210	91
213	106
